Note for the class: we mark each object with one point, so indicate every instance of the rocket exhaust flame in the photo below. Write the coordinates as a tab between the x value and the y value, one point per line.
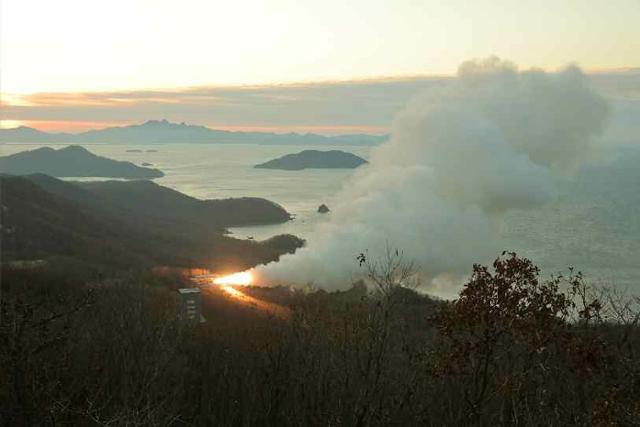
460	156
233	292
255	303
243	278
228	285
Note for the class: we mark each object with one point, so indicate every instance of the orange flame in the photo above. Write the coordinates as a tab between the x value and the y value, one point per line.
243	278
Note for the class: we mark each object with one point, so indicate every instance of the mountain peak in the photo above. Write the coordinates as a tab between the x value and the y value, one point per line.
72	161
23	129
163	122
75	149
161	131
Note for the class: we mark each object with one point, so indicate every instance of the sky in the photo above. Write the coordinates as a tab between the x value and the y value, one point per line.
77	64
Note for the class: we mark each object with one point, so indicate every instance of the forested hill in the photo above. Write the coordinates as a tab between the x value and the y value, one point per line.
131	223
72	161
315	159
151	199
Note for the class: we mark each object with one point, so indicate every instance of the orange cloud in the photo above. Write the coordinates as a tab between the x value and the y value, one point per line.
330	107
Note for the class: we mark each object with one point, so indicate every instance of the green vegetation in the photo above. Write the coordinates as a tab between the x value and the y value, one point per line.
77	348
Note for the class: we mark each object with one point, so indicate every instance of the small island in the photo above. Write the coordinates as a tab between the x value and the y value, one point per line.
315	159
72	161
323	209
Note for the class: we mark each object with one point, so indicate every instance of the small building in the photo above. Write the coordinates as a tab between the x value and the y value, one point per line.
191	305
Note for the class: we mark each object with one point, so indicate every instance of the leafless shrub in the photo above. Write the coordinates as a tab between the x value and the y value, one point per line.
512	349
390	271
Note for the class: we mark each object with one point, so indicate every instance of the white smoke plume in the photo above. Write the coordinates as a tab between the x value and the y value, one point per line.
491	140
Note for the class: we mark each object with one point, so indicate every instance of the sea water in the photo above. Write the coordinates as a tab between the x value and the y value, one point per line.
594	226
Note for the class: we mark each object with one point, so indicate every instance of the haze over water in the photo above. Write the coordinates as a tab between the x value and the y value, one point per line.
594	225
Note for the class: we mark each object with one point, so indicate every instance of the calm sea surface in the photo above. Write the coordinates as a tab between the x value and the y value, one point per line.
594	226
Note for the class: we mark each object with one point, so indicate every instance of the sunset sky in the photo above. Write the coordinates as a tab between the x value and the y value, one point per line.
280	64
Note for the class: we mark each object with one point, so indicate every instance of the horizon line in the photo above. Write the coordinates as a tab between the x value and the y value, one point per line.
381	131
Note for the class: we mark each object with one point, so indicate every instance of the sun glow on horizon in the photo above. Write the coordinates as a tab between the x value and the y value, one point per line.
70	45
280	66
11	124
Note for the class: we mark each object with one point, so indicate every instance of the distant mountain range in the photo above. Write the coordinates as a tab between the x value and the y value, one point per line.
162	131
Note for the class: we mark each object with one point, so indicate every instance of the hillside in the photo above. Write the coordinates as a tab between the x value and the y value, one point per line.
37	224
43	217
314	159
154	200
163	131
72	161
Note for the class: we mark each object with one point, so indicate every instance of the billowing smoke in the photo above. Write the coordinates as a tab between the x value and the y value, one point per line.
460	155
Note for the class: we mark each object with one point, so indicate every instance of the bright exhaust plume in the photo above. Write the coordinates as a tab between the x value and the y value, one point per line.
460	155
243	278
